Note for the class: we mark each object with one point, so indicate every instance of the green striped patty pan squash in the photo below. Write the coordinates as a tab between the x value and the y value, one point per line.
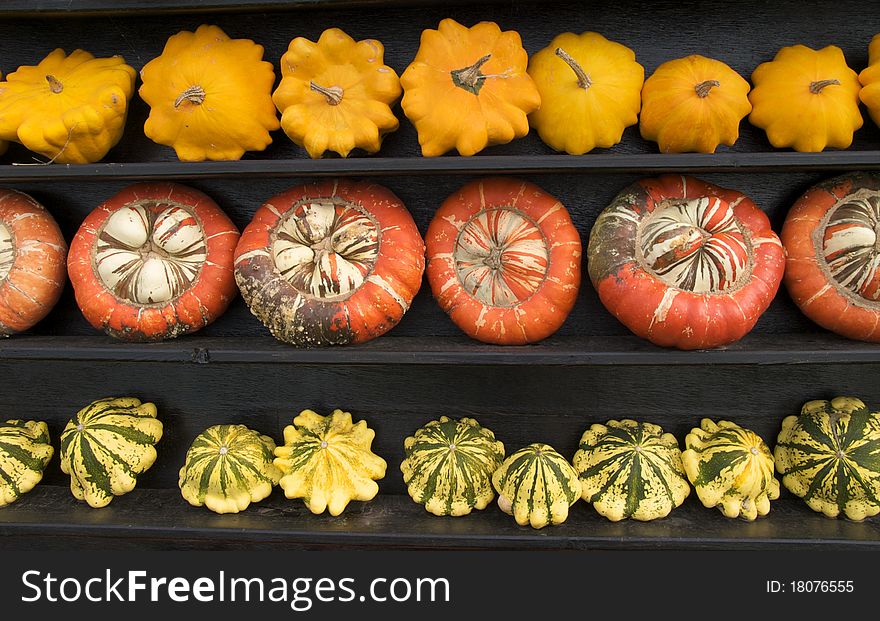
536	485
830	457
227	468
731	468
24	452
632	470
107	445
448	466
327	461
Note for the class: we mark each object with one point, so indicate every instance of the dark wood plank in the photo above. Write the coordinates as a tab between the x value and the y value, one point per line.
558	350
644	163
80	8
164	519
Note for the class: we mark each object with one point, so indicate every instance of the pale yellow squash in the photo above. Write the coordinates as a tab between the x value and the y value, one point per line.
327	461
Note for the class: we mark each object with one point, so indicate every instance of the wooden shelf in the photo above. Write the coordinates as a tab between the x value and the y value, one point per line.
62	8
817	348
594	163
161	518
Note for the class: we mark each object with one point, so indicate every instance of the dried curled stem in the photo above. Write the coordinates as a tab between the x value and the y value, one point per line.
333	93
703	88
583	77
194	95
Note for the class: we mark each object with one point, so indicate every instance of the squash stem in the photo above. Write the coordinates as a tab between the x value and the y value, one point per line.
55	84
817	86
703	88
470	78
333	94
194	94
584	80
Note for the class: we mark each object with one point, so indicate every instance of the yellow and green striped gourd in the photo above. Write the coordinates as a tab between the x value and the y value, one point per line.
107	445
227	468
449	465
327	461
731	468
24	453
536	485
632	470
830	457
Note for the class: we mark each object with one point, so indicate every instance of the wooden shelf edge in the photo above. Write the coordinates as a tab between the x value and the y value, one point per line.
755	349
641	163
162	515
78	8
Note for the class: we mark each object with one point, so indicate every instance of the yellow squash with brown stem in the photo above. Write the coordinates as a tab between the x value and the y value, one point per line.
693	104
590	91
70	109
468	88
209	96
336	94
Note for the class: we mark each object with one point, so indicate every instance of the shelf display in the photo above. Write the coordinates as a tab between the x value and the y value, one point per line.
731	469
806	99
106	445
227	468
504	261
210	96
70	109
327	461
684	263
330	263
468	88
631	470
25	451
693	104
537	486
590	91
830	457
153	262
589	370
336	94
832	241
869	78
448	466
33	256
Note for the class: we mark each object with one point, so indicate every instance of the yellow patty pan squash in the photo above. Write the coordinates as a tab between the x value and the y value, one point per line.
468	88
731	468
227	468
869	78
106	445
210	96
327	461
70	109
336	94
693	104
590	91
537	486
25	450
806	99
